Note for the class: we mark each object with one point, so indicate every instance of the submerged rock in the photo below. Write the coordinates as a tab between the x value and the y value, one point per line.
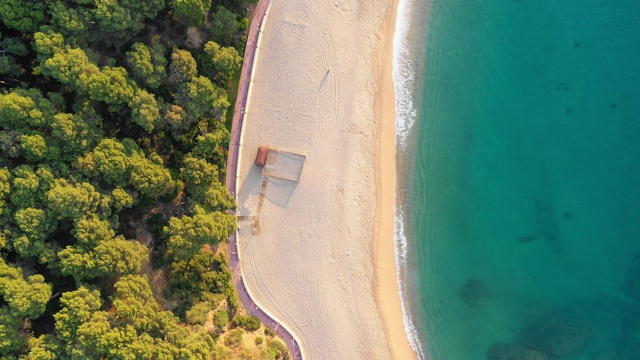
628	345
556	335
504	351
473	291
605	355
527	239
547	224
631	285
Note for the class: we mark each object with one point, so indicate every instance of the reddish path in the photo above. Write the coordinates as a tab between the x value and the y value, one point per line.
232	174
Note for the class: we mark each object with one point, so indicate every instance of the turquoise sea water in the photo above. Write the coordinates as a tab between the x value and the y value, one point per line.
524	207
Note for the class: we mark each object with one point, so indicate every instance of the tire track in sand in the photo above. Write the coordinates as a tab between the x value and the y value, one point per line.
325	131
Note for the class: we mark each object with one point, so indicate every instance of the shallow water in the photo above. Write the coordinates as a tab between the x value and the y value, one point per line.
525	187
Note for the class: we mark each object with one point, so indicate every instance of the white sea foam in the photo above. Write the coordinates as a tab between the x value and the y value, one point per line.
406	113
401	263
403	74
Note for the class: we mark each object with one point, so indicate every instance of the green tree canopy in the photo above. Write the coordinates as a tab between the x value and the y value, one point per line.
150	179
25	190
188	234
124	163
103	135
201	275
77	308
22	15
175	116
110	159
225	59
90	230
72	22
147	64
5	188
47	44
72	200
134	328
202	97
212	145
224	25
122	199
99	252
73	68
192	12
24	110
183	67
72	133
10	143
144	110
35	225
34	147
44	347
11	338
112	86
121	256
24	296
216	198
198	174
111	256
118	20
10	47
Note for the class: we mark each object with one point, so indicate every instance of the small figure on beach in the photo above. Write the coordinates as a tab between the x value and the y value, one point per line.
328	70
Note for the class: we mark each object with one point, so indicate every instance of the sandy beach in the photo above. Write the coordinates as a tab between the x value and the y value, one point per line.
318	254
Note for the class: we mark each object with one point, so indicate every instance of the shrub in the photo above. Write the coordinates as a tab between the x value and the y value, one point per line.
233	301
234	338
219	352
268	354
198	313
221	318
279	348
247	322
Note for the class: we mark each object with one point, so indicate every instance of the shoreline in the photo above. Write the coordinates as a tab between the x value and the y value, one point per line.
386	280
409	58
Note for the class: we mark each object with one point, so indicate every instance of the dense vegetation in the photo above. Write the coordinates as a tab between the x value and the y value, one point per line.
112	154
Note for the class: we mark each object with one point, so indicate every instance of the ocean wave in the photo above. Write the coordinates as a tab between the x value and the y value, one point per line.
404	79
401	247
403	74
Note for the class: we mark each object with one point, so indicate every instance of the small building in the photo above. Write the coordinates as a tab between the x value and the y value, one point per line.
280	164
261	157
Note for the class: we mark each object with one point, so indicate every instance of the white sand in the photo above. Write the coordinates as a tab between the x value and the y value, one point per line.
312	263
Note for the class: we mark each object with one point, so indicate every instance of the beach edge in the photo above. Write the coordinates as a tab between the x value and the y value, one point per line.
386	288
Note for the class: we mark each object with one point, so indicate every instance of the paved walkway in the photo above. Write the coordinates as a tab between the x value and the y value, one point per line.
232	174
